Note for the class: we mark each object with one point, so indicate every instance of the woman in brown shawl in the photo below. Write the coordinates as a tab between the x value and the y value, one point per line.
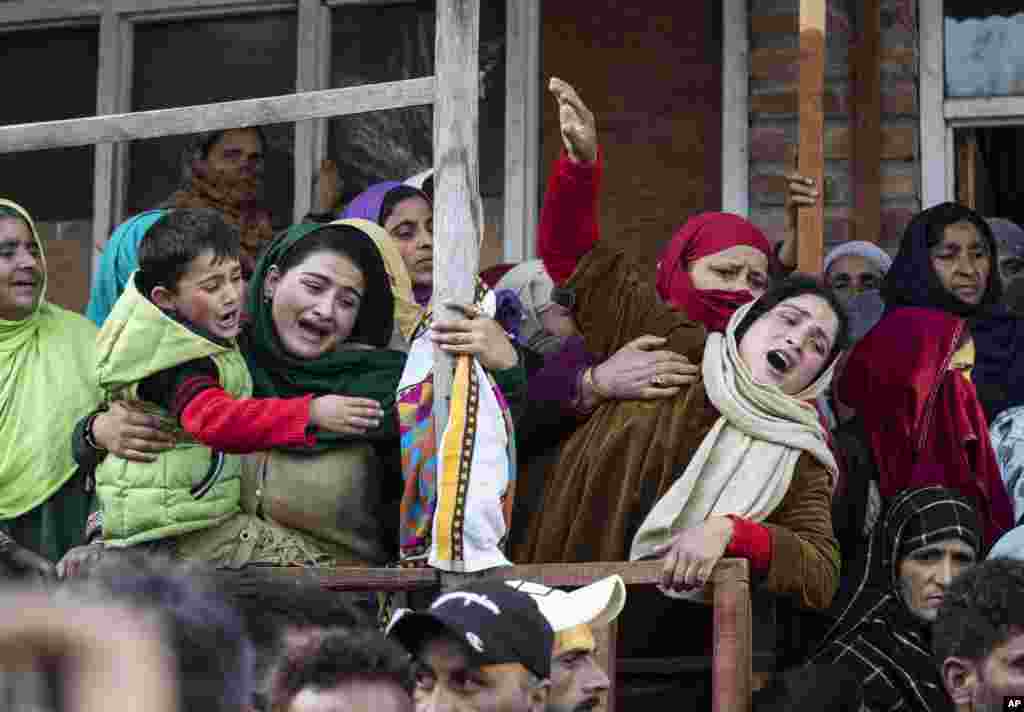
735	465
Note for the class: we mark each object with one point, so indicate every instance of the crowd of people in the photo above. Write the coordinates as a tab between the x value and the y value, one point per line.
237	399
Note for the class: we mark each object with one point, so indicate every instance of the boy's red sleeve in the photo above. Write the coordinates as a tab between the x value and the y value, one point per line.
240	425
751	541
568	219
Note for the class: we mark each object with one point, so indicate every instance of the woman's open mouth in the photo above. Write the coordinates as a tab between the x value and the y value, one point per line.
779	361
312	332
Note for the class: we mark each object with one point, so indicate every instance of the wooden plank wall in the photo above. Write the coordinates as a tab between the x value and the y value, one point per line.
653	76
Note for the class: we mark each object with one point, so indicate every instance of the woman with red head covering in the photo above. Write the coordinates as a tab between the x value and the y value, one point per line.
715	263
909	381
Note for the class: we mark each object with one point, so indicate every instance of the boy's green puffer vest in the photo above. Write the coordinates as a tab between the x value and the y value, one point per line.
189	487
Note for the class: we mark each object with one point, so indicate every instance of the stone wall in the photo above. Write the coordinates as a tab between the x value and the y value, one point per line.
774	60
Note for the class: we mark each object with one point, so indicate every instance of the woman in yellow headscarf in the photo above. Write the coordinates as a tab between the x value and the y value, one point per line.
46	386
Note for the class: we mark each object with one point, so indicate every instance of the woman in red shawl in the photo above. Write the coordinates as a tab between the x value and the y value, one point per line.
910	384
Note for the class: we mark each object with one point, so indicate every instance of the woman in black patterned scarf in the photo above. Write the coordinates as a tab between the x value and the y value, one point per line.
927	537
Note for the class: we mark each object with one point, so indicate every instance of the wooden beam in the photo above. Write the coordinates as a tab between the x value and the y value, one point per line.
109	97
522	132
811	153
306	162
735	108
967	170
22	14
866	156
458	209
213	117
167	10
932	92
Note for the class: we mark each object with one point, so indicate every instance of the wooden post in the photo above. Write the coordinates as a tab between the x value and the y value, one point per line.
967	170
866	156
458	209
811	154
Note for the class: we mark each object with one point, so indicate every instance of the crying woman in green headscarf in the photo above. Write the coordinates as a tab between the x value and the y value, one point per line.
47	359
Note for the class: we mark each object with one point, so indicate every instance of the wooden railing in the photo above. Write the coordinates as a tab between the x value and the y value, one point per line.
729	593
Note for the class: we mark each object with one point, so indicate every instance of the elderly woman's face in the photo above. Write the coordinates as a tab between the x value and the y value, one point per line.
21	270
740	268
925	573
315	304
411	226
789	345
237	155
962	262
851	274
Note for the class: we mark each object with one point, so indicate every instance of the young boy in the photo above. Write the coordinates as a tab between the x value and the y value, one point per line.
169	347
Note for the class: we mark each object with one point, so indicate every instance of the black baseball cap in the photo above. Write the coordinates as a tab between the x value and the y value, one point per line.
498	623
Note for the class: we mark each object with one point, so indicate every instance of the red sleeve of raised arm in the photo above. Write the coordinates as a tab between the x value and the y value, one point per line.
568	218
240	425
751	541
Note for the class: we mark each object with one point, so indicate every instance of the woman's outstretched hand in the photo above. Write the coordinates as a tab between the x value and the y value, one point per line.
692	554
576	121
476	335
345	415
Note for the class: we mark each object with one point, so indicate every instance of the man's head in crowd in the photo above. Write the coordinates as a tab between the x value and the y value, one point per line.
344	670
484	648
578	683
978	637
855	267
281	613
206	635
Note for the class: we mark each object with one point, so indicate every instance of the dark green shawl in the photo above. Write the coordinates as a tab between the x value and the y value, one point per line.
358	373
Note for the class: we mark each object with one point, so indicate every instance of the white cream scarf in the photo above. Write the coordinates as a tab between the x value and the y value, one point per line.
745	464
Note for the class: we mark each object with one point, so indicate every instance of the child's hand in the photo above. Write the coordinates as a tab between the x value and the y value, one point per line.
345	415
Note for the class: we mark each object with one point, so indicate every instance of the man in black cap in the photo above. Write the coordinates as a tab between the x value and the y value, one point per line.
484	648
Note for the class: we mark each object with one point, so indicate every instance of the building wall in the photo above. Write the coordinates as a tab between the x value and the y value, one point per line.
774	60
653	78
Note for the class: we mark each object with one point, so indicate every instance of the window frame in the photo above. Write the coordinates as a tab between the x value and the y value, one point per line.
940	117
117	19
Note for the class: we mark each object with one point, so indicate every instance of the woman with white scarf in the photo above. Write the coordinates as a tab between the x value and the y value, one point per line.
735	465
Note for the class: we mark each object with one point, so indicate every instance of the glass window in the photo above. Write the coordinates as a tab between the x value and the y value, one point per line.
204	61
984	41
394	42
49	75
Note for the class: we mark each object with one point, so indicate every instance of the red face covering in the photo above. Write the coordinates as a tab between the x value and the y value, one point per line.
703	235
924	421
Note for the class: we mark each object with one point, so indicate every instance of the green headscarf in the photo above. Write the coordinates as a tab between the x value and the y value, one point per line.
358	373
47	384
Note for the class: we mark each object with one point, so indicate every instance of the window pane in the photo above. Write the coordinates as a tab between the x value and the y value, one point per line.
205	61
984	48
390	43
49	75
